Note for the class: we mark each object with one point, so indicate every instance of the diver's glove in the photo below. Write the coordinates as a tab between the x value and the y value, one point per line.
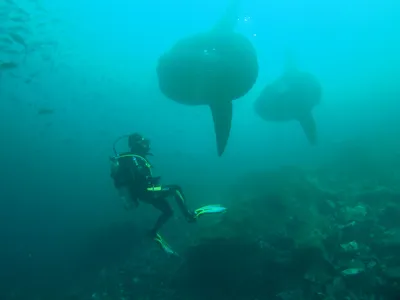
209	209
164	246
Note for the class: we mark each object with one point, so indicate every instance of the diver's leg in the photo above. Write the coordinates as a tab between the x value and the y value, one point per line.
180	199
167	212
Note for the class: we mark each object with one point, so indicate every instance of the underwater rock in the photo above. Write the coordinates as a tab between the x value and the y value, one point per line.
225	268
378	195
351	246
392	273
389	215
352	271
356	213
391	241
291	295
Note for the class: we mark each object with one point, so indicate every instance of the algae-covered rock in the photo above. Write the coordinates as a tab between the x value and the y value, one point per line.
392	273
222	268
270	239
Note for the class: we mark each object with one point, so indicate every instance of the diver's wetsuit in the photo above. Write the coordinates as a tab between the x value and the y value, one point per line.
134	173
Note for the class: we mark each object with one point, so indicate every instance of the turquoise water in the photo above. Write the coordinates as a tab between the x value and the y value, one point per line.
85	74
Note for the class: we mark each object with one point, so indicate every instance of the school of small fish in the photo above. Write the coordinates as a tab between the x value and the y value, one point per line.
24	32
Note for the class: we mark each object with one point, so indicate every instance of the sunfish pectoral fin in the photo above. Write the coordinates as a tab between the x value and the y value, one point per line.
222	116
307	122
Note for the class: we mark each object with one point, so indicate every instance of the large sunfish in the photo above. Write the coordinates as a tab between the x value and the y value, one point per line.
292	96
211	68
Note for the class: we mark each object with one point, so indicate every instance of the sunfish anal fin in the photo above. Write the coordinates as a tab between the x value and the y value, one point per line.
222	116
307	122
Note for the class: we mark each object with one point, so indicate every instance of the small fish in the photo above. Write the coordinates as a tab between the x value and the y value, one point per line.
34	74
7	65
22	12
46	56
40	8
48	43
31	77
10	51
45	111
18	39
19	28
18	19
5	40
41	25
14	75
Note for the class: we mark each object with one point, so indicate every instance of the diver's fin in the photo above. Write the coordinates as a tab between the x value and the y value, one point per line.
210	209
222	116
309	127
229	19
164	245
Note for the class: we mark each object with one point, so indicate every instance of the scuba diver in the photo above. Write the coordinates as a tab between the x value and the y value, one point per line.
133	178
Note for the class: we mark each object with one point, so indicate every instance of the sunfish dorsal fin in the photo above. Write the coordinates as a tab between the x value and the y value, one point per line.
229	19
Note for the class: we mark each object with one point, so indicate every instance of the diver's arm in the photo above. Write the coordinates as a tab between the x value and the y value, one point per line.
127	198
143	172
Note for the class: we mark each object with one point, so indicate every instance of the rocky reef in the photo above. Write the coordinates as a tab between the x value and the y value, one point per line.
327	233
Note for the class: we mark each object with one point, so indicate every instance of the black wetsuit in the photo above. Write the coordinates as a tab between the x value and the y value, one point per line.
134	173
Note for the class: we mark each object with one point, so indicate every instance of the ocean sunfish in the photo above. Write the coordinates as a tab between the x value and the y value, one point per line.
211	68
291	97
